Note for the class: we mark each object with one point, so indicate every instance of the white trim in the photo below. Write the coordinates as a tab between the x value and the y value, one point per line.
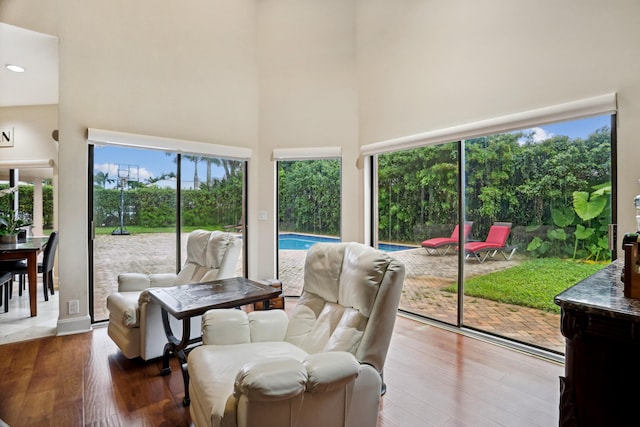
26	164
597	105
369	210
310	153
74	325
109	137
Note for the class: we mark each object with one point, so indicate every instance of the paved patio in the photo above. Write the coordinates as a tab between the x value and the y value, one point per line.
422	294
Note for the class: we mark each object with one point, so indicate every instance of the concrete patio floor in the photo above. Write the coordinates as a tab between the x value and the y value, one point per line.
425	276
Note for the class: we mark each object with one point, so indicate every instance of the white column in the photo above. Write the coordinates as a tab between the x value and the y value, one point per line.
37	208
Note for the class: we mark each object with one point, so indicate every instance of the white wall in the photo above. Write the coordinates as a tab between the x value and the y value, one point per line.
32	127
311	73
427	65
187	72
262	75
306	52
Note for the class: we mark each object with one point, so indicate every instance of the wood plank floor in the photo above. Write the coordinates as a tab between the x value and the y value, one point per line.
434	378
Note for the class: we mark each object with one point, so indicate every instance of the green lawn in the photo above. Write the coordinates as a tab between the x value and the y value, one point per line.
533	283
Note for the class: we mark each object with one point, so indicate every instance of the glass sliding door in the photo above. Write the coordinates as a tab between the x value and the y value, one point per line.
308	212
540	200
144	205
531	208
418	202
211	197
134	220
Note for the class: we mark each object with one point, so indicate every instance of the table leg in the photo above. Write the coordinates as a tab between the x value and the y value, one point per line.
177	347
32	272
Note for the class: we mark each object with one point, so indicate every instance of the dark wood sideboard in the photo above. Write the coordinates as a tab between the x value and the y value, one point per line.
602	355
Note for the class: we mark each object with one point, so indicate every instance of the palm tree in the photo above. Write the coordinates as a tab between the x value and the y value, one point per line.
102	179
195	160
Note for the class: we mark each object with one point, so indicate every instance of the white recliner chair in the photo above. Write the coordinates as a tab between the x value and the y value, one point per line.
321	367
135	322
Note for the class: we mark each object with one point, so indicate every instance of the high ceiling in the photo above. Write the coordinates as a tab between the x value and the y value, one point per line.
38	54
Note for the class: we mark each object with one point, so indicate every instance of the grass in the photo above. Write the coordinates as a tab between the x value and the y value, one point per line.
534	283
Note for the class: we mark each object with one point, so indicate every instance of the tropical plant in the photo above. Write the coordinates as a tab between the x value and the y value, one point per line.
309	196
10	223
592	209
589	236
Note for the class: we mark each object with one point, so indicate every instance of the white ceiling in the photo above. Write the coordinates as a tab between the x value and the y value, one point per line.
38	54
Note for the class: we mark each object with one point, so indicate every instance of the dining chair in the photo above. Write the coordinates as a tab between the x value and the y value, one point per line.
19	268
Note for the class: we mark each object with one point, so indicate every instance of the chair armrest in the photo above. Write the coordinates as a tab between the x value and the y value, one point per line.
279	378
123	307
271	379
128	282
330	370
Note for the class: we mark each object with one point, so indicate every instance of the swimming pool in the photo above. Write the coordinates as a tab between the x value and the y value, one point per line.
293	241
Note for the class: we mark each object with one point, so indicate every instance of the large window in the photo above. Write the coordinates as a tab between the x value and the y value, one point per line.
536	204
418	201
137	226
308	212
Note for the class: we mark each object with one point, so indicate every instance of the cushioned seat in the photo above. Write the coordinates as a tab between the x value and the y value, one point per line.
135	323
495	242
441	245
321	367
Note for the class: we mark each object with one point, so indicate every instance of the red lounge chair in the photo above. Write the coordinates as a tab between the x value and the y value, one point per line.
495	242
437	244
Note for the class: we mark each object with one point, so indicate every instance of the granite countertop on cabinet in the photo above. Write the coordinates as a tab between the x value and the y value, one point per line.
601	294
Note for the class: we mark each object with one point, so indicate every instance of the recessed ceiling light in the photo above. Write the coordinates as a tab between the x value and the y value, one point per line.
15	68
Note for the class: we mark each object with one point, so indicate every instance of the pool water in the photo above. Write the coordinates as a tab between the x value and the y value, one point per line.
292	241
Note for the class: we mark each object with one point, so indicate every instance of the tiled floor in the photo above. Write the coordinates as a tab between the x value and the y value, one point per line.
18	325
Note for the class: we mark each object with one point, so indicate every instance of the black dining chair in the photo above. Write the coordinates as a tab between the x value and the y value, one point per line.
45	267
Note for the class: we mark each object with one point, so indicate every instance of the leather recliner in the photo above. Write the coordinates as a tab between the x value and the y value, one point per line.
135	322
320	367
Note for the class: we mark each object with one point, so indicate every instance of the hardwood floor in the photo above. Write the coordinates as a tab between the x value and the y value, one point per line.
434	378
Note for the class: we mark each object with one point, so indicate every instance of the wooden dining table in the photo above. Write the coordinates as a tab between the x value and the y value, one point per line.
29	250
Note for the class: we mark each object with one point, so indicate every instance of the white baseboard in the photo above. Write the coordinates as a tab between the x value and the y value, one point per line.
74	325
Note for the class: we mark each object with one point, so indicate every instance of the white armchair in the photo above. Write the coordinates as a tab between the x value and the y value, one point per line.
321	367
135	322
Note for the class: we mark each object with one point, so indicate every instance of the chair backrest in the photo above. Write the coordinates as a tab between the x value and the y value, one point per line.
349	301
50	252
211	255
467	230
498	233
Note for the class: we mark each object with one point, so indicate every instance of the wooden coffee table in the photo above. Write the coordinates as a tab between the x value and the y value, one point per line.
186	301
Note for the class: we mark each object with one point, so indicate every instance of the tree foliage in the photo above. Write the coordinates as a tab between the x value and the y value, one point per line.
309	196
25	202
211	206
556	193
552	191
